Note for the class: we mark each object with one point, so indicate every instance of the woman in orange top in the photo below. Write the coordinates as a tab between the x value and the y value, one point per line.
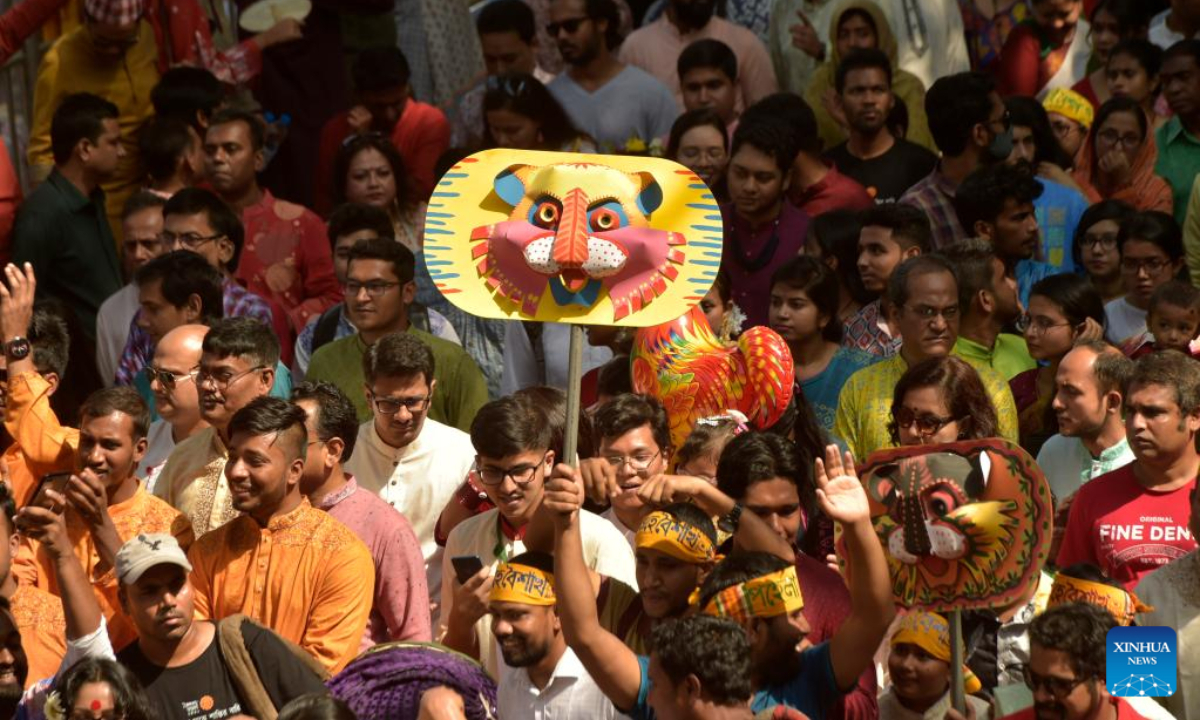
1118	159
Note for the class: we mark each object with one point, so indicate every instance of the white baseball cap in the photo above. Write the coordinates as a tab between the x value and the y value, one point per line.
144	552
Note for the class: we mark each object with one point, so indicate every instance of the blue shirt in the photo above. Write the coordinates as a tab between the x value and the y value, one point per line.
821	391
1058	211
813	691
1029	272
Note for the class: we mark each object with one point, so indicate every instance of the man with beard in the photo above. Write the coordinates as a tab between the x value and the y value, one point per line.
970	126
513	458
1178	147
1066	666
178	659
996	203
541	676
987	302
281	561
656	47
887	166
619	105
1133	520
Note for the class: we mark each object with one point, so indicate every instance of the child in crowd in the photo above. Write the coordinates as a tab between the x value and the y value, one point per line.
1173	321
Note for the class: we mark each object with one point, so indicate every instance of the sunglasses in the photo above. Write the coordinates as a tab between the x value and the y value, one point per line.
167	378
571	26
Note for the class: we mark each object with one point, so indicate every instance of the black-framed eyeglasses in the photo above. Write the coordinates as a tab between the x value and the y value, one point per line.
927	423
223	380
375	288
520	474
510	86
1150	265
190	241
638	462
1112	137
167	378
1104	241
1058	687
392	405
570	25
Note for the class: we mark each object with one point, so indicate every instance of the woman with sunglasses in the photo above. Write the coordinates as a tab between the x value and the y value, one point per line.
1118	158
1063	310
941	400
520	114
368	170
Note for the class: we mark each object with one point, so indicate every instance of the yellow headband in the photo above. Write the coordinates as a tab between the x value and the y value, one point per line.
659	531
522	584
931	633
1070	104
1123	605
765	596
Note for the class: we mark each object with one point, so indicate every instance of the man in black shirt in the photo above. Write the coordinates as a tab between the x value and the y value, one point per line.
186	665
885	165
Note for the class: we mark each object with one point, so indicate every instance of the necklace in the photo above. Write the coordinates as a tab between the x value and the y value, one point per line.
758	261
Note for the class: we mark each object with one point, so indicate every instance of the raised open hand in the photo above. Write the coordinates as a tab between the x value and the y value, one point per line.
839	491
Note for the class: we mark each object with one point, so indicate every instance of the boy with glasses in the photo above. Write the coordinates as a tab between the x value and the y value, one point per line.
511	440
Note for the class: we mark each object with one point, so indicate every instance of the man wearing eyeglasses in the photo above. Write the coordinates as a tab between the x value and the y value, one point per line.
924	303
172	376
511	439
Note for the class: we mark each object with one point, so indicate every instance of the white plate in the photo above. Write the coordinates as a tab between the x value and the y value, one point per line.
260	16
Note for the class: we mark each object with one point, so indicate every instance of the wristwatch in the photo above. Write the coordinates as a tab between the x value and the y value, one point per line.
729	522
17	349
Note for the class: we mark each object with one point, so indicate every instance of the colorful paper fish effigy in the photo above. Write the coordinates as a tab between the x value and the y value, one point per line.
965	525
566	237
695	375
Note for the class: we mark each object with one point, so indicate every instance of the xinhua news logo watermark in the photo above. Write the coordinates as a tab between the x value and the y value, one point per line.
1141	662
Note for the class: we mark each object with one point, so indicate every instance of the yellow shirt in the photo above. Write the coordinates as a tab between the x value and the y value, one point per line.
306	576
193	481
865	405
39	617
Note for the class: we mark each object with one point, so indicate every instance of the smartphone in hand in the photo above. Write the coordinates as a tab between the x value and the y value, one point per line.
52	481
466	567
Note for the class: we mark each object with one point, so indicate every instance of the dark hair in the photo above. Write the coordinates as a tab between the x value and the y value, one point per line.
1154	227
194	201
349	218
336	416
507	16
509	426
1170	369
552	402
51	340
525	95
242	337
142	200
387	250
753	457
120	399
630	412
258	132
1184	48
317	706
606	10
129	697
1079	631
954	105
188	93
1028	113
714	650
771	137
1101	211
1131	15
161	143
78	117
1146	53
704	436
1075	296
862	59
909	225
379	68
985	192
181	274
738	568
268	415
1111	107
405	198
615	377
398	355
924	264
692	515
837	234
708	53
1176	293
798	119
1112	368
543	561
700	117
8	508
963	391
814	278
972	260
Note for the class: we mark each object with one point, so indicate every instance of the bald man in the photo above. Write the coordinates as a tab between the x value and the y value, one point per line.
172	374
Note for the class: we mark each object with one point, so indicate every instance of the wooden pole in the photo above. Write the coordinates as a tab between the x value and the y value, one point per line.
574	380
956	663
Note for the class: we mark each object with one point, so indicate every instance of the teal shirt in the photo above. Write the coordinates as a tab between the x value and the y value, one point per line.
282	388
461	389
65	235
1178	163
1010	356
821	390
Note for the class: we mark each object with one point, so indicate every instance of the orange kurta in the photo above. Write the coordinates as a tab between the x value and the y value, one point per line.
142	513
40	444
39	617
306	576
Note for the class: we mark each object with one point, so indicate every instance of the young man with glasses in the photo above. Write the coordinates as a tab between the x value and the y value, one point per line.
237	365
924	305
511	440
379	290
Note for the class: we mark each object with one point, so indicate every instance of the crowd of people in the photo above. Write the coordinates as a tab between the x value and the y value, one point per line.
255	464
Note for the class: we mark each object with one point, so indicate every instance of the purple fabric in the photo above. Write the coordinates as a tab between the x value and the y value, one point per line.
388	681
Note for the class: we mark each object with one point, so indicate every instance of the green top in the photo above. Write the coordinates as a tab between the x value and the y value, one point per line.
1009	357
1178	158
65	235
461	389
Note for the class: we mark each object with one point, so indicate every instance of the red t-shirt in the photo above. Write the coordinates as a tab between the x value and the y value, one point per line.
1125	711
1127	530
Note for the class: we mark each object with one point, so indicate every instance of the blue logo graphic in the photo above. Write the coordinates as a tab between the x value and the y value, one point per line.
1141	661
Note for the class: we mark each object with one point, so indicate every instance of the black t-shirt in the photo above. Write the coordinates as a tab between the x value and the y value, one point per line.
204	688
886	177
